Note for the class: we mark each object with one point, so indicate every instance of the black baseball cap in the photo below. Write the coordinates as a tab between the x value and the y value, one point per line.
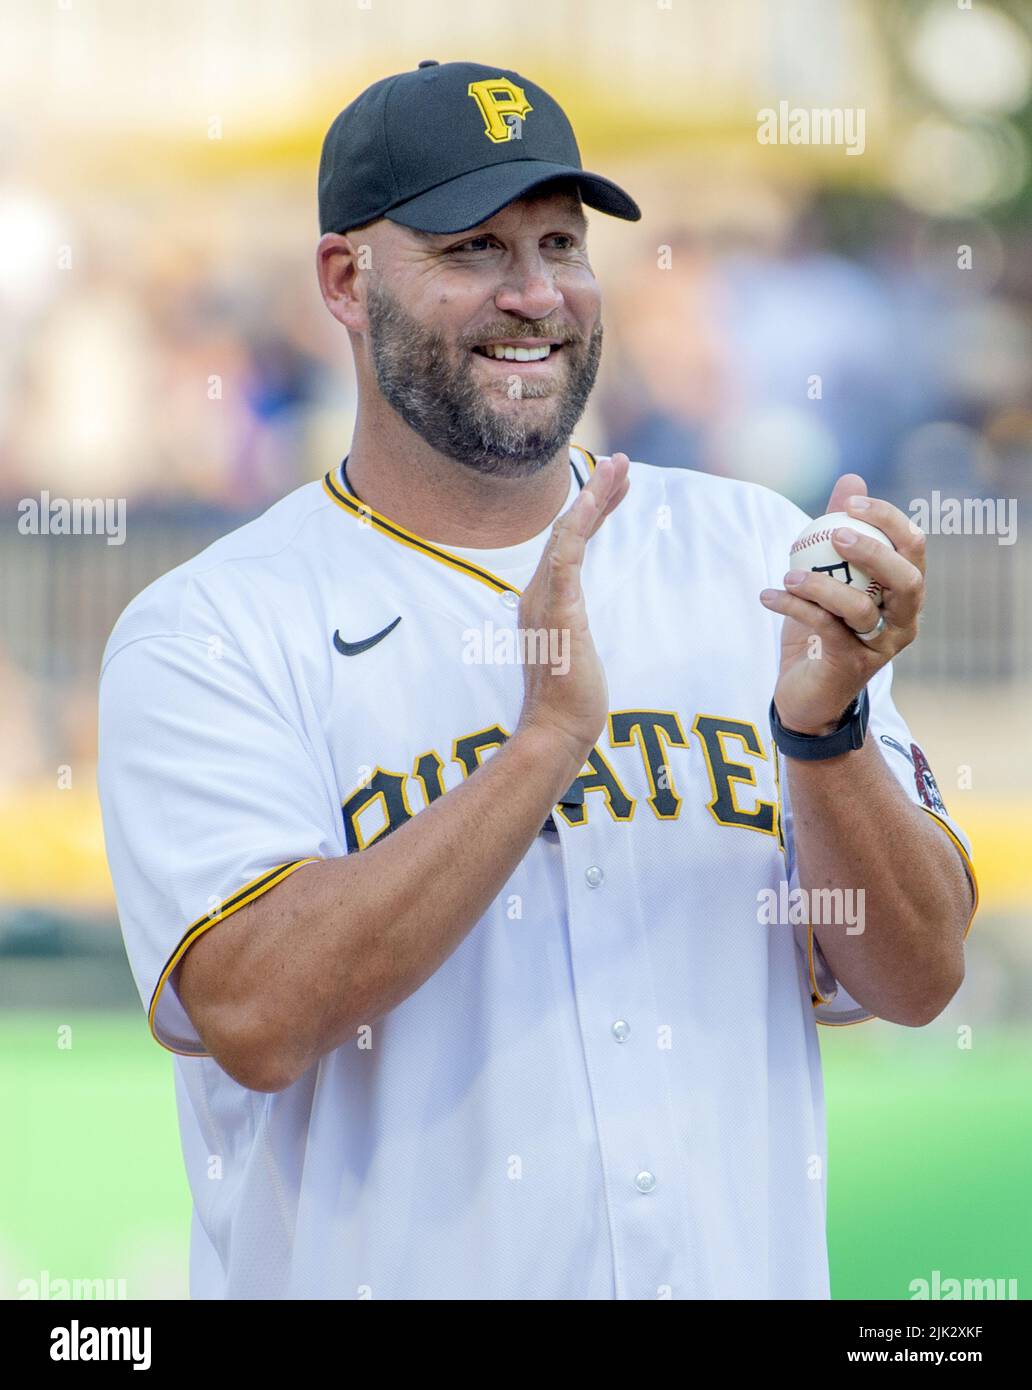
446	146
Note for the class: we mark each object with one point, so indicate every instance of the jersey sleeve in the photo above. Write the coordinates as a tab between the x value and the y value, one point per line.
908	763
210	795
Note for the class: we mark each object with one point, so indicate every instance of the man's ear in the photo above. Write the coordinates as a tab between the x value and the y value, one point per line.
339	262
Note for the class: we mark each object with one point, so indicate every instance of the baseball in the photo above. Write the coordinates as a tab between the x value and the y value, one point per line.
812	550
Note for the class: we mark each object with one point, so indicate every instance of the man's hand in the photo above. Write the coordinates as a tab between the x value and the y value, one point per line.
812	694
569	705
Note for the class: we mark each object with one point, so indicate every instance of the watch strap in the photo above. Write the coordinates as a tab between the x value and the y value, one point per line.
815	748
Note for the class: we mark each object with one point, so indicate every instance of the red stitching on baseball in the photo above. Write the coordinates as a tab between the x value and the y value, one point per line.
873	587
812	539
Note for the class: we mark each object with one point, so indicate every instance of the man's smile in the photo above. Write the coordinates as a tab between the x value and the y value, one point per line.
528	356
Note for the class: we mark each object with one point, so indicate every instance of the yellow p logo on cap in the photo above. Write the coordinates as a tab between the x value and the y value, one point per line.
498	98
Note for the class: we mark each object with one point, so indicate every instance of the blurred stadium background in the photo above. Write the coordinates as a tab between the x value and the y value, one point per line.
162	340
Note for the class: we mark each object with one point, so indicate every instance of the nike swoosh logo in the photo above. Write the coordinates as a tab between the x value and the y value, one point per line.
354	648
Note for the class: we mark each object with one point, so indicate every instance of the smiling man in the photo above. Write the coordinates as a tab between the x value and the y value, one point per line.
502	397
462	954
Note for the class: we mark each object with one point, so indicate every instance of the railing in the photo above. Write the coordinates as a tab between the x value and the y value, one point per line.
60	596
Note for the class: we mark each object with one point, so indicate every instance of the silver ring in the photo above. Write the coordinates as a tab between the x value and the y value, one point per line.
874	632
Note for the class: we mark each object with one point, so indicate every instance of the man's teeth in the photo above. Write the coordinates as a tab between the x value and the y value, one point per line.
516	354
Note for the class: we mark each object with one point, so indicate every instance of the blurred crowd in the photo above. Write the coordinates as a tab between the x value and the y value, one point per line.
789	360
204	375
857	336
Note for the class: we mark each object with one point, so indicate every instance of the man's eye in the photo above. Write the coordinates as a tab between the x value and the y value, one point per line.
477	243
559	241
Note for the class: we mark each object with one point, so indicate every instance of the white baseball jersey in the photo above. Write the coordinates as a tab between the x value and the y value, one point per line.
612	1087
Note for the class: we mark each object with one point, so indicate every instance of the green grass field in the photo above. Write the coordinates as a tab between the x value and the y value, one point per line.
929	1156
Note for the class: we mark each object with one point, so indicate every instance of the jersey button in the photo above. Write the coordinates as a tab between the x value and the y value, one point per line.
621	1030
510	599
645	1181
593	876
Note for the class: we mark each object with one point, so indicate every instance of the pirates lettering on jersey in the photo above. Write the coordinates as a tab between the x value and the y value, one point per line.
427	770
386	788
601	778
713	729
652	732
777	783
469	750
648	728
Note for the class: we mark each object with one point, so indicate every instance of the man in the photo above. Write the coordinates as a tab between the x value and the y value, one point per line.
442	800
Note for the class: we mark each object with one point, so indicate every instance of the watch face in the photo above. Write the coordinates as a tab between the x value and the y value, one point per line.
861	716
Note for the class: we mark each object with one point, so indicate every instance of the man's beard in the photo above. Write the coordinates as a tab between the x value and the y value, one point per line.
446	406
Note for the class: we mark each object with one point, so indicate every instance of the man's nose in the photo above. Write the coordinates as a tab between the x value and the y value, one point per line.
529	290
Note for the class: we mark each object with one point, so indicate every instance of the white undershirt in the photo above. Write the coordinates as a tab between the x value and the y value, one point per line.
515	563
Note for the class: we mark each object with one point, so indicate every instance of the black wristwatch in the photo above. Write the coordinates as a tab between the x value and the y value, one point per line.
814	748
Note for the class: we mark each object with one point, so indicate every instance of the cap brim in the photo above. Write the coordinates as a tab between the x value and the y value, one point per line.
472	198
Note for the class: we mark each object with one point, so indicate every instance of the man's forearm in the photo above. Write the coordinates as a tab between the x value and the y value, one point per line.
855	828
342	941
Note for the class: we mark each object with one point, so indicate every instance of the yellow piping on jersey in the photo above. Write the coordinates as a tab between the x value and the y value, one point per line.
967	864
369	517
815	994
816	997
240	899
